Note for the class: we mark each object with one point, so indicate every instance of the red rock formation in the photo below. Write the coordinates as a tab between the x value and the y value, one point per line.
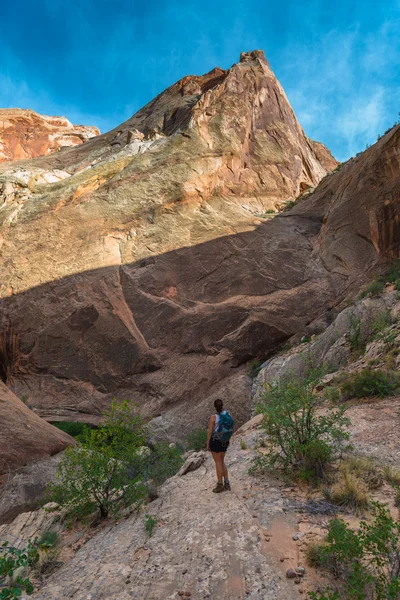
25	437
141	264
26	134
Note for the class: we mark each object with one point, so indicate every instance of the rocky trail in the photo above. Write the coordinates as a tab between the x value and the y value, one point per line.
204	545
235	545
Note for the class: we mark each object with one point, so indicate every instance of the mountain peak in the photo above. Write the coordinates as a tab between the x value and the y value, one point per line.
253	55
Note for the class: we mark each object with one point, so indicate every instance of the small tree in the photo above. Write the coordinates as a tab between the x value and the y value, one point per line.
296	434
103	472
11	559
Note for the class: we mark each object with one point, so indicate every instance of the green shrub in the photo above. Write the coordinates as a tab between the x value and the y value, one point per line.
370	382
289	204
356	339
382	321
317	456
393	273
73	428
366	562
49	539
375	288
314	555
243	444
197	440
397	285
253	368
149	524
163	462
11	559
104	471
270	211
298	436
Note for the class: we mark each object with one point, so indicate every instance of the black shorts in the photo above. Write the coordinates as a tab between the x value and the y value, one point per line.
217	446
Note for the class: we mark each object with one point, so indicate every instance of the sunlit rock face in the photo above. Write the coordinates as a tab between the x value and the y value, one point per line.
144	263
26	134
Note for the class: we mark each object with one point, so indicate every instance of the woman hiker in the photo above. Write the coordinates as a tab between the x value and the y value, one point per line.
219	432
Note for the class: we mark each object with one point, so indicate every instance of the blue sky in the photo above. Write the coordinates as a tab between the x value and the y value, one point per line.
97	62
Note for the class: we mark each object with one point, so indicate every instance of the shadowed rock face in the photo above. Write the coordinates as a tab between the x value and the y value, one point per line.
144	269
25	437
26	134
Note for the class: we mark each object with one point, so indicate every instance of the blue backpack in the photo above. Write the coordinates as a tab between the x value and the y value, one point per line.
225	428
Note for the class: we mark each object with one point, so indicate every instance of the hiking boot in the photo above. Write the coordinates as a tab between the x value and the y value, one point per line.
227	486
219	488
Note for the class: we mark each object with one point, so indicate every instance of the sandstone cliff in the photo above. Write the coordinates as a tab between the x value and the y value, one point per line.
142	264
26	134
24	436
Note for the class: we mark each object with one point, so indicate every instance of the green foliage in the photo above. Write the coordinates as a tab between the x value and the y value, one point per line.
243	444
149	524
164	461
397	285
289	204
270	211
366	562
369	382
375	288
73	428
104	471
12	559
382	321
314	556
298	436
197	440
254	367
49	539
356	339
393	273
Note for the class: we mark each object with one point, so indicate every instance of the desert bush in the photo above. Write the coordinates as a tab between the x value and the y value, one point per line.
366	562
48	539
149	523
391	475
365	469
243	444
297	435
104	471
314	555
289	204
197	440
253	368
349	491
73	428
356	339
373	289
397	498
11	560
163	462
369	382
382	321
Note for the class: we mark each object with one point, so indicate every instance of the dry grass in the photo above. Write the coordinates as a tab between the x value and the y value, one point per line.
349	491
365	469
313	555
391	475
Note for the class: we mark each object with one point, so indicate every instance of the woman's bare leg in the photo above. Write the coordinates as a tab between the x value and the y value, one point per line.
219	467
225	470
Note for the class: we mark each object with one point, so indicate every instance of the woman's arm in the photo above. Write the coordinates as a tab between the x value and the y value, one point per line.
210	430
